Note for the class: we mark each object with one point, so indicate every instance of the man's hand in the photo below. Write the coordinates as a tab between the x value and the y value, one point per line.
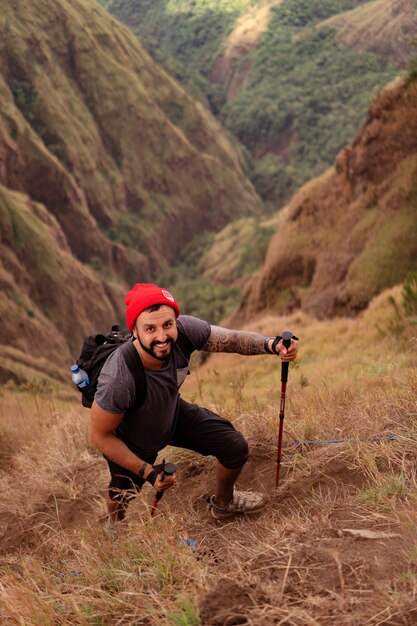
286	354
164	481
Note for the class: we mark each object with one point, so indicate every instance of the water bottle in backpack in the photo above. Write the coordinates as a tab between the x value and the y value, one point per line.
79	377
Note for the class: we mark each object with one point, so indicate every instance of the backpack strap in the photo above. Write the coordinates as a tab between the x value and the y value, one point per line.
134	363
135	366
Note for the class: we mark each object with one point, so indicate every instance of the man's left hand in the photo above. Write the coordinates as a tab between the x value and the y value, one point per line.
286	354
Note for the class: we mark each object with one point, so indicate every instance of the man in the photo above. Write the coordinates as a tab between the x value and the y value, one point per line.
130	436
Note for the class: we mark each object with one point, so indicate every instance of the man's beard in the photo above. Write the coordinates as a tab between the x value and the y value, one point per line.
151	351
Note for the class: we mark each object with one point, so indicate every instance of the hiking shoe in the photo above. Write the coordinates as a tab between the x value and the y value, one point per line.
242	502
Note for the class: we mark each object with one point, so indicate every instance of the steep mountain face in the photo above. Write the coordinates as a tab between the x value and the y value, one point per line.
352	232
290	79
107	167
48	298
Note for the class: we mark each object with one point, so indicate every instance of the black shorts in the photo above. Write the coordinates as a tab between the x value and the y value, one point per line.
196	429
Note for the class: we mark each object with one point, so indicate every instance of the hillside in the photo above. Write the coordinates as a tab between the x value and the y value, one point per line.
382	27
107	168
291	80
352	232
336	543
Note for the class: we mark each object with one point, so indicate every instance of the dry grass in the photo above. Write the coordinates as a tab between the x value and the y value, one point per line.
337	543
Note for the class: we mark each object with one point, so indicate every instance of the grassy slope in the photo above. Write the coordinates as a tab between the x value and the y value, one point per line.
354	378
113	153
38	308
299	93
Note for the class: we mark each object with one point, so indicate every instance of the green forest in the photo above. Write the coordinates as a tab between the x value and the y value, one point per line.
306	93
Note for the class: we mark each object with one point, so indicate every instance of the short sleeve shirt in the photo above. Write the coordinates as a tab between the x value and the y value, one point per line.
147	429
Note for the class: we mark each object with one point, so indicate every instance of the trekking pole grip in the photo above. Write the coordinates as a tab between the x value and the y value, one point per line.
287	335
168	469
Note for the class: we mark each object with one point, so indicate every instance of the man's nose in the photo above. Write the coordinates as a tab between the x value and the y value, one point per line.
161	335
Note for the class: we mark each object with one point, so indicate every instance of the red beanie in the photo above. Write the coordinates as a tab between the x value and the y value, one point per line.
142	296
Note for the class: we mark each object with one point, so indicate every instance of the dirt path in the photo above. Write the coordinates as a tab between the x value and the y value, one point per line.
228	69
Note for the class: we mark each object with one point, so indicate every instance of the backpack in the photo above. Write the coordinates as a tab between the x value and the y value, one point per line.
97	348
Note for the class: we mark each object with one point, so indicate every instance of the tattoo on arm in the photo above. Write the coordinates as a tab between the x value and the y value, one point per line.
238	341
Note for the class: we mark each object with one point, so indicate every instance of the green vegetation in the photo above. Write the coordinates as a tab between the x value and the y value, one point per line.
305	13
207	270
238	250
382	495
275	179
27	234
386	259
410	294
198	296
175	112
306	98
131	231
186	615
25	96
253	254
183	36
412	70
204	299
306	94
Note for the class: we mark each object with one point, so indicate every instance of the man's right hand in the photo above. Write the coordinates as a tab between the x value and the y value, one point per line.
163	481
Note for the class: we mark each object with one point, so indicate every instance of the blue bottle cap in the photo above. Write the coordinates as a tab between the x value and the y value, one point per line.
74	368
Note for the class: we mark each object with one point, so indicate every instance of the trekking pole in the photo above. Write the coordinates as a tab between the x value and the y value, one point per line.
168	469
287	335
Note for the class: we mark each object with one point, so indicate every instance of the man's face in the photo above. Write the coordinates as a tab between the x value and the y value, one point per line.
157	332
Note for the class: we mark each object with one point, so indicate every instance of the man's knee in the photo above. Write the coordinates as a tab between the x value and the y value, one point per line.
237	452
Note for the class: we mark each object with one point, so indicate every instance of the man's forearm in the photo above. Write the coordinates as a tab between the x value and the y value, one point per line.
237	341
118	452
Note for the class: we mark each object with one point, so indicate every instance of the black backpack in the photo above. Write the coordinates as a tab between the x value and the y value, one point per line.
97	348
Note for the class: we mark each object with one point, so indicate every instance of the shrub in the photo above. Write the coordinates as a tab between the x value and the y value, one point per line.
410	294
175	112
25	96
204	299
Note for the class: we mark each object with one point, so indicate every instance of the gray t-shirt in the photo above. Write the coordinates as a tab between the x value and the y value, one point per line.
147	429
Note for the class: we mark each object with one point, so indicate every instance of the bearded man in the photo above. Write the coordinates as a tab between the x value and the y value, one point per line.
131	431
